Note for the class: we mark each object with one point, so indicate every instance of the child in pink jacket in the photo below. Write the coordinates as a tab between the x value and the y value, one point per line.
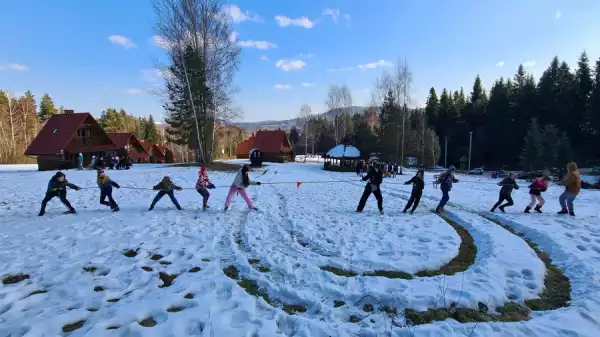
240	183
203	184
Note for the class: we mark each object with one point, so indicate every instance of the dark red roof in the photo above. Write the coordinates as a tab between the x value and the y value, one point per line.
243	148
58	132
147	145
272	141
120	139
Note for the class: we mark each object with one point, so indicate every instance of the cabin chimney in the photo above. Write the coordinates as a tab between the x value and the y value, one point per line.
69	111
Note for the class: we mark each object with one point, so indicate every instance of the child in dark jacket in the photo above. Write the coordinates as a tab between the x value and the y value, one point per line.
535	192
203	184
446	180
166	186
57	187
374	178
417	191
106	185
508	184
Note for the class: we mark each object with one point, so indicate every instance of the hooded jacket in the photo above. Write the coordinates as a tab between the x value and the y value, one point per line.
508	184
573	180
166	187
55	186
238	181
375	178
418	183
447	179
106	184
203	181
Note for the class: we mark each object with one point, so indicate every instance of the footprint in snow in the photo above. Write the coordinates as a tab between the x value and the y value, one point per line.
569	235
527	274
585	239
581	248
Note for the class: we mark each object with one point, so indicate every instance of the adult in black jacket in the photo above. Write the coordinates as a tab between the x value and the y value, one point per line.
375	178
417	191
57	187
508	184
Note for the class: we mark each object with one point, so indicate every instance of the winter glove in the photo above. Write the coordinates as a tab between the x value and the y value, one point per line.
210	186
155	188
179	188
117	186
258	183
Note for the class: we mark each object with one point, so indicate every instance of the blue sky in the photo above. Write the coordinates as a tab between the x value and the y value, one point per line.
89	55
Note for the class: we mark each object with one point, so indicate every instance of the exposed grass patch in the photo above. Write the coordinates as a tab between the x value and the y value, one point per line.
253	261
156	257
174	309
146	268
232	272
36	292
390	274
214	166
112	327
264	269
98	288
165	263
131	253
188	296
510	312
557	286
113	300
354	319
252	288
368	307
337	304
166	278
73	326
205	259
293	309
195	270
467	253
89	269
147	322
338	271
92	309
12	279
389	309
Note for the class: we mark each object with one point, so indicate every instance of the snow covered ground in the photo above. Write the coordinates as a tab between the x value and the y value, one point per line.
100	273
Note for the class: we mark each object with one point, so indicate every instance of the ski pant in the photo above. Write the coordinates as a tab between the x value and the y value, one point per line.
367	192
566	201
111	202
242	192
161	194
508	198
62	195
539	199
415	197
445	199
205	195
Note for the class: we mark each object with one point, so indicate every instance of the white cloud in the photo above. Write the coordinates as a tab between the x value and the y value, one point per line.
558	15
134	91
334	13
335	70
14	66
528	64
500	64
237	15
288	65
285	21
307	55
283	86
122	40
257	44
264	57
307	84
373	65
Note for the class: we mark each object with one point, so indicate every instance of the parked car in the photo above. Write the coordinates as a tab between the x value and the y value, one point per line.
476	171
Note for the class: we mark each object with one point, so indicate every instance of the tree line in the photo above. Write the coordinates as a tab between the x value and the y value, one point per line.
387	129
521	123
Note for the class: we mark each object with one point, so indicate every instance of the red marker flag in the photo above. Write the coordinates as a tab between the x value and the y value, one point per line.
298	184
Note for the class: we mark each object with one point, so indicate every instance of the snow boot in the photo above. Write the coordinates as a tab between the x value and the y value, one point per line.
501	208
71	211
571	213
225	209
527	209
538	209
404	211
493	209
179	208
151	208
255	209
563	211
116	209
41	213
381	211
412	211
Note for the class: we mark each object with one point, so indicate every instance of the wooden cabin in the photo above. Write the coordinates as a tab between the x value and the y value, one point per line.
64	136
128	145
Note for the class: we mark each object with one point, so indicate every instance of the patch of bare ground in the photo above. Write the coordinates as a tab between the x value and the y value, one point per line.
147	322
12	279
73	326
166	278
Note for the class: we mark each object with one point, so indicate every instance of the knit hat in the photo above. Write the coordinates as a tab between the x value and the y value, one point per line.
202	170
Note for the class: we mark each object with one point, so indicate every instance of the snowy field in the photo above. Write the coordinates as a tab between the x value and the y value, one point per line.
172	273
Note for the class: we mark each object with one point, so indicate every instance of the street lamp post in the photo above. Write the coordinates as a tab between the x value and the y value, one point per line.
470	143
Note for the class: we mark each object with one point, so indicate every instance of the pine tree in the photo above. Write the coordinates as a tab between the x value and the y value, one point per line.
532	148
47	108
581	113
150	131
432	107
498	149
294	135
61	110
595	111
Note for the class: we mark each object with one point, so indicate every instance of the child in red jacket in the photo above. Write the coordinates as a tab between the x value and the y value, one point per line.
535	193
203	185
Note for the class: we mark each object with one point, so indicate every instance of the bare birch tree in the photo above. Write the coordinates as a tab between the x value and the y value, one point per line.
305	113
204	26
346	98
